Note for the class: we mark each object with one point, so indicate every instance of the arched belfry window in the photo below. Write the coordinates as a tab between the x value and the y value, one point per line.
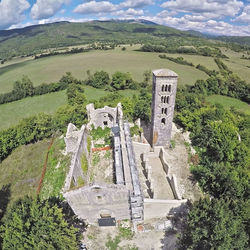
162	99
162	110
163	121
162	88
169	88
165	99
166	111
168	99
166	88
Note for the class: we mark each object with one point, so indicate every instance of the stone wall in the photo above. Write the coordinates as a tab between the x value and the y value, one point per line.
173	183
97	201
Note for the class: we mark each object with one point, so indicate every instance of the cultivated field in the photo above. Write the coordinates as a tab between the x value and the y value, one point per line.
51	69
228	102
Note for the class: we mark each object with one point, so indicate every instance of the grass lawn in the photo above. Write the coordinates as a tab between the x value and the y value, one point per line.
52	68
228	102
11	113
23	168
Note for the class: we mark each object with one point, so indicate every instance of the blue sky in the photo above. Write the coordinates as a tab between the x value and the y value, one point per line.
222	17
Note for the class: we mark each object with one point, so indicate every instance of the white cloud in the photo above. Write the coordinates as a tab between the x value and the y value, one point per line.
220	8
245	15
210	26
136	3
128	13
12	12
46	8
95	7
124	8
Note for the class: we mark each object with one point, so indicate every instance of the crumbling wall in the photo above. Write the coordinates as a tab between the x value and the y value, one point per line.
103	117
97	201
76	144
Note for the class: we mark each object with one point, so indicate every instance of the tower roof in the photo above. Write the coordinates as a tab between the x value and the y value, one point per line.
164	72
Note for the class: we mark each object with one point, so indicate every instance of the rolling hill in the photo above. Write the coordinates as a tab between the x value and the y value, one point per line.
33	39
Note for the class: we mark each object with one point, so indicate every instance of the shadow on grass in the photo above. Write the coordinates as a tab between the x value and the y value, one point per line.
5	194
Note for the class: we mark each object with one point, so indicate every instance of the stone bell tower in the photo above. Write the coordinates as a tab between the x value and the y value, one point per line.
163	102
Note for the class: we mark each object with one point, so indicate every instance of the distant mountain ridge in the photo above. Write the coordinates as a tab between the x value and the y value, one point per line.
34	39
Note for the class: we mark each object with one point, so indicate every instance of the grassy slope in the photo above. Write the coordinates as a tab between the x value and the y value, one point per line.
237	65
228	102
52	68
57	168
23	168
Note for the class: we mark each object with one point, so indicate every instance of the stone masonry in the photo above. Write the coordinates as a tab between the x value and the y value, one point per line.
163	92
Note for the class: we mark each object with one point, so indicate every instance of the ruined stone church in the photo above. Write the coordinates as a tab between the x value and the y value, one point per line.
128	197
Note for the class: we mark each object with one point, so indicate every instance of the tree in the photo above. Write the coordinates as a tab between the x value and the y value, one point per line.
142	107
219	139
68	79
121	80
212	225
146	79
100	79
75	94
35	224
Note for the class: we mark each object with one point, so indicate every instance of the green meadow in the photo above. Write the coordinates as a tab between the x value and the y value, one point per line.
11	113
51	69
228	102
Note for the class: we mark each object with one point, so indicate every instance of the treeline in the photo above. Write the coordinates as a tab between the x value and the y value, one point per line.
67	52
206	70
38	127
192	50
94	46
225	83
118	81
100	79
179	60
24	88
